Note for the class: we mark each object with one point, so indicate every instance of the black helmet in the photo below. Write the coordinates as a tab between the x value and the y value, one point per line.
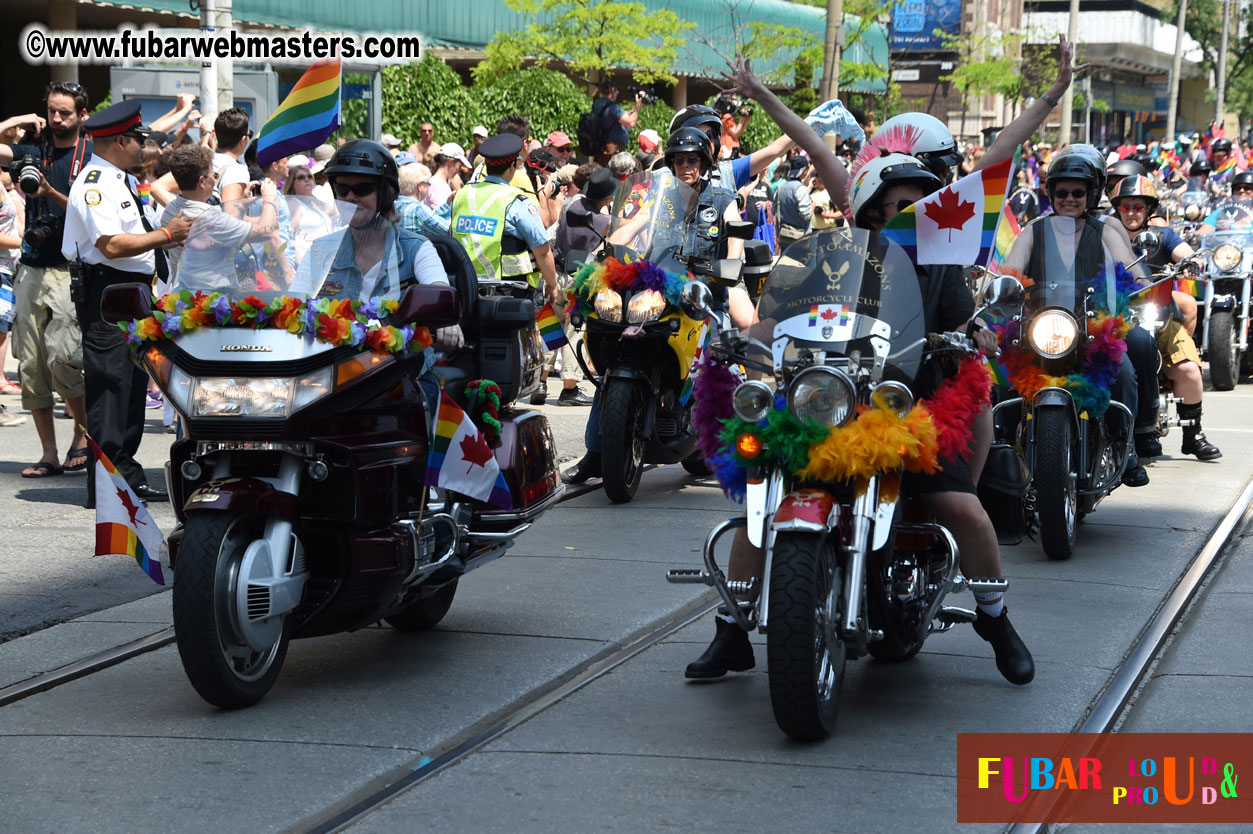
687	139
1078	162
1201	166
696	115
1126	168
1223	145
367	159
1242	178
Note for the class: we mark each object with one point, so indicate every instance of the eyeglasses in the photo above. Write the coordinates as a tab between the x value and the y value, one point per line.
360	189
1132	208
566	149
899	205
679	159
1077	194
250	134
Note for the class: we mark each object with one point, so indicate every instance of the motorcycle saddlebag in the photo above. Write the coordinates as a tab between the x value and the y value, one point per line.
506	353
527	457
1003	490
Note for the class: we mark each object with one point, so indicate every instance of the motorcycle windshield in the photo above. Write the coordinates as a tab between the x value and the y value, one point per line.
842	291
312	249
650	212
1066	274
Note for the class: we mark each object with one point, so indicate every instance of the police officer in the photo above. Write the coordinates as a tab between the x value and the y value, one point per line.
106	227
500	228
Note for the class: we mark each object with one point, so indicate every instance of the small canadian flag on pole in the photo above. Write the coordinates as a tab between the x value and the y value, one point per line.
123	525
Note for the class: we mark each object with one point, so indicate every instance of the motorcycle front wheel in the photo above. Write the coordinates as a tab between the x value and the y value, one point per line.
222	667
1224	351
805	652
1055	491
622	439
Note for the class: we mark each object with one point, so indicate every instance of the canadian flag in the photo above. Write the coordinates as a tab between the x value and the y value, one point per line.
460	459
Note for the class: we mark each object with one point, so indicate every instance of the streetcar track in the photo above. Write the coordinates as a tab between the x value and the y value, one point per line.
1130	678
107	658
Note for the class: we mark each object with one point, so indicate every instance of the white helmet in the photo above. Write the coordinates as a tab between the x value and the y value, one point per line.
933	144
872	179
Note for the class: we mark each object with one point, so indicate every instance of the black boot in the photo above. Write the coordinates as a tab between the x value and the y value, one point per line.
588	467
1012	657
1147	444
730	651
1194	442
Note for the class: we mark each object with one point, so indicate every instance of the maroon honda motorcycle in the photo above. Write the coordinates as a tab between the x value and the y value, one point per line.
301	484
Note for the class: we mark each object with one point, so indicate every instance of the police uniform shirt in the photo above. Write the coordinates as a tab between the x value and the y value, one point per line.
522	220
101	205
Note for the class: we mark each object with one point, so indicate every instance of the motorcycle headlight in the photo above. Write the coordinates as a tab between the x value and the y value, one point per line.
1227	256
609	305
752	401
1052	333
893	396
824	395
1191	211
644	306
256	396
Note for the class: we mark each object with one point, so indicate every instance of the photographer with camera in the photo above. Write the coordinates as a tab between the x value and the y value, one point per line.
735	116
615	123
46	337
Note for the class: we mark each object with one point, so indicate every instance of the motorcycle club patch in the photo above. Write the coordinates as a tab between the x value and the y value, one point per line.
708	214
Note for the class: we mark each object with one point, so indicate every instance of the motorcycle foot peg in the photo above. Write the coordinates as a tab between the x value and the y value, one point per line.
951	615
688	576
987	584
742	588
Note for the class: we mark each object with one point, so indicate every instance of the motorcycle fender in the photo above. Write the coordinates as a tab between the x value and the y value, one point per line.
686	341
1223	303
812	510
1052	396
243	494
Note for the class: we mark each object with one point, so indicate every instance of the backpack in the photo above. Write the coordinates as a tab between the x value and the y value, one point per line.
591	132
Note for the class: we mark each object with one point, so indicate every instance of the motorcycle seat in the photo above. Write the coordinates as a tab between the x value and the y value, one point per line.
462	278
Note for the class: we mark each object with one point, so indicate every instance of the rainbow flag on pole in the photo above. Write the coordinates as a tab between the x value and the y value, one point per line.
304	120
461	460
123	525
1225	170
1007	232
958	223
550	327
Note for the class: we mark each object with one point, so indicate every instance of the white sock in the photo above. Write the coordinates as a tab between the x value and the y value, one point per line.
727	618
992	603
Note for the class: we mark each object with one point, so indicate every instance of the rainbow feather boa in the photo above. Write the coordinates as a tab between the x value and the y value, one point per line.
1102	357
877	442
613	274
334	321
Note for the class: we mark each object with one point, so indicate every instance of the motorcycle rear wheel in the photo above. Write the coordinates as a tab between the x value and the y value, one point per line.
1224	351
805	652
425	612
222	668
622	442
1055	490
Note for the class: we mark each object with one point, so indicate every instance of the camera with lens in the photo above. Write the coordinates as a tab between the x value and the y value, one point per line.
645	96
41	229
25	172
541	160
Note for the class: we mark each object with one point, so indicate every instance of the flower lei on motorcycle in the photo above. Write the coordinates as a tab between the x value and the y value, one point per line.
612	274
876	442
334	321
1102	357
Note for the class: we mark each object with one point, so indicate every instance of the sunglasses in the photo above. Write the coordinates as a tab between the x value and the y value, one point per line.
1134	208
680	159
899	205
361	189
68	86
1062	194
1242	188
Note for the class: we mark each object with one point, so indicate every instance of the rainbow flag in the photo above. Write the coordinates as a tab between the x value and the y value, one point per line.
550	327
1225	170
1191	286
123	526
1007	232
1158	294
958	223
998	373
144	192
304	120
813	316
461	460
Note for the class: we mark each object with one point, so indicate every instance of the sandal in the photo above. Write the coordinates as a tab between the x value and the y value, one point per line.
80	452
7	387
43	469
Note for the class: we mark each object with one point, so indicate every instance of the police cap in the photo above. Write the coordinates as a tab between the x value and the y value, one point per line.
116	119
501	148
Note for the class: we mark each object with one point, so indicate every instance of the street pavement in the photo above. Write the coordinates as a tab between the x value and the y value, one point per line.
133	749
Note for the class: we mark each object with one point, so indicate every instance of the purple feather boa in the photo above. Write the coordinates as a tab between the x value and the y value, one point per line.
715	384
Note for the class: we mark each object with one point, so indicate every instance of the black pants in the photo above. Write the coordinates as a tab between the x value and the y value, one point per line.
115	392
1142	351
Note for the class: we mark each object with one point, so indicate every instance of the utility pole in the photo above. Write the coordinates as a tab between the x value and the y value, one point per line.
1220	92
1068	98
1087	109
1173	111
208	68
833	48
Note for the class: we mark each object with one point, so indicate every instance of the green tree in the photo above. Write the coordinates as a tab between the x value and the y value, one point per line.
1205	25
353	113
426	91
590	37
548	98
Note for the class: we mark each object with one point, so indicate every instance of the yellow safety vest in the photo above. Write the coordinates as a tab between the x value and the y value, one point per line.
478	224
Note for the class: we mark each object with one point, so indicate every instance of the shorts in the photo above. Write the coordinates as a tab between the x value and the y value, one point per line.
953	475
46	338
1176	345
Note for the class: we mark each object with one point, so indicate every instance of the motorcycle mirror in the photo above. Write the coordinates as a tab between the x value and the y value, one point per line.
1004	296
431	305
1147	244
697	300
741	229
726	271
580	218
576	258
125	302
